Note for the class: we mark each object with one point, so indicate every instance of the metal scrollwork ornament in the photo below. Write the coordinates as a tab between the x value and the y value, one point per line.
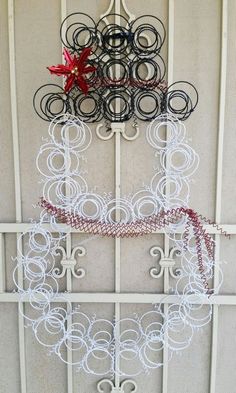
127	386
69	263
165	263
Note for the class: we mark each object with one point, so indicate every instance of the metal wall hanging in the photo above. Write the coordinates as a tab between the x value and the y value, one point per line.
104	79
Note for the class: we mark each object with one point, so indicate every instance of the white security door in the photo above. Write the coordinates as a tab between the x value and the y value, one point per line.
106	278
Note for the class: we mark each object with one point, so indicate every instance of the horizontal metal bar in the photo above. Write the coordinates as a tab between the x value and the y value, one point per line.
14	227
107	297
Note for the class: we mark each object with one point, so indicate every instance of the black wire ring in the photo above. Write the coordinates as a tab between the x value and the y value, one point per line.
117	104
157	68
149	110
179	101
88	107
48	103
143	44
70	32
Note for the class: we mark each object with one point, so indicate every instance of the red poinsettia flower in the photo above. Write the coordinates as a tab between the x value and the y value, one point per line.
74	69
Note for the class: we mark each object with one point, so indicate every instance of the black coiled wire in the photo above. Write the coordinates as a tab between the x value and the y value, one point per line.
129	76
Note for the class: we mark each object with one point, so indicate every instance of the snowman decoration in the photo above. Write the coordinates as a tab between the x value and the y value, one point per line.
114	76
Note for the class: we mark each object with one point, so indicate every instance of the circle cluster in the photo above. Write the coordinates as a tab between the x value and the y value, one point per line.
129	76
137	341
65	186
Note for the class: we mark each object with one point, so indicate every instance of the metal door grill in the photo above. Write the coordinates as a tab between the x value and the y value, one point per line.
222	301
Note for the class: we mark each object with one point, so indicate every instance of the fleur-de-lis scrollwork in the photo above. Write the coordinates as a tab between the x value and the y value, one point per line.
127	386
165	263
118	127
70	263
